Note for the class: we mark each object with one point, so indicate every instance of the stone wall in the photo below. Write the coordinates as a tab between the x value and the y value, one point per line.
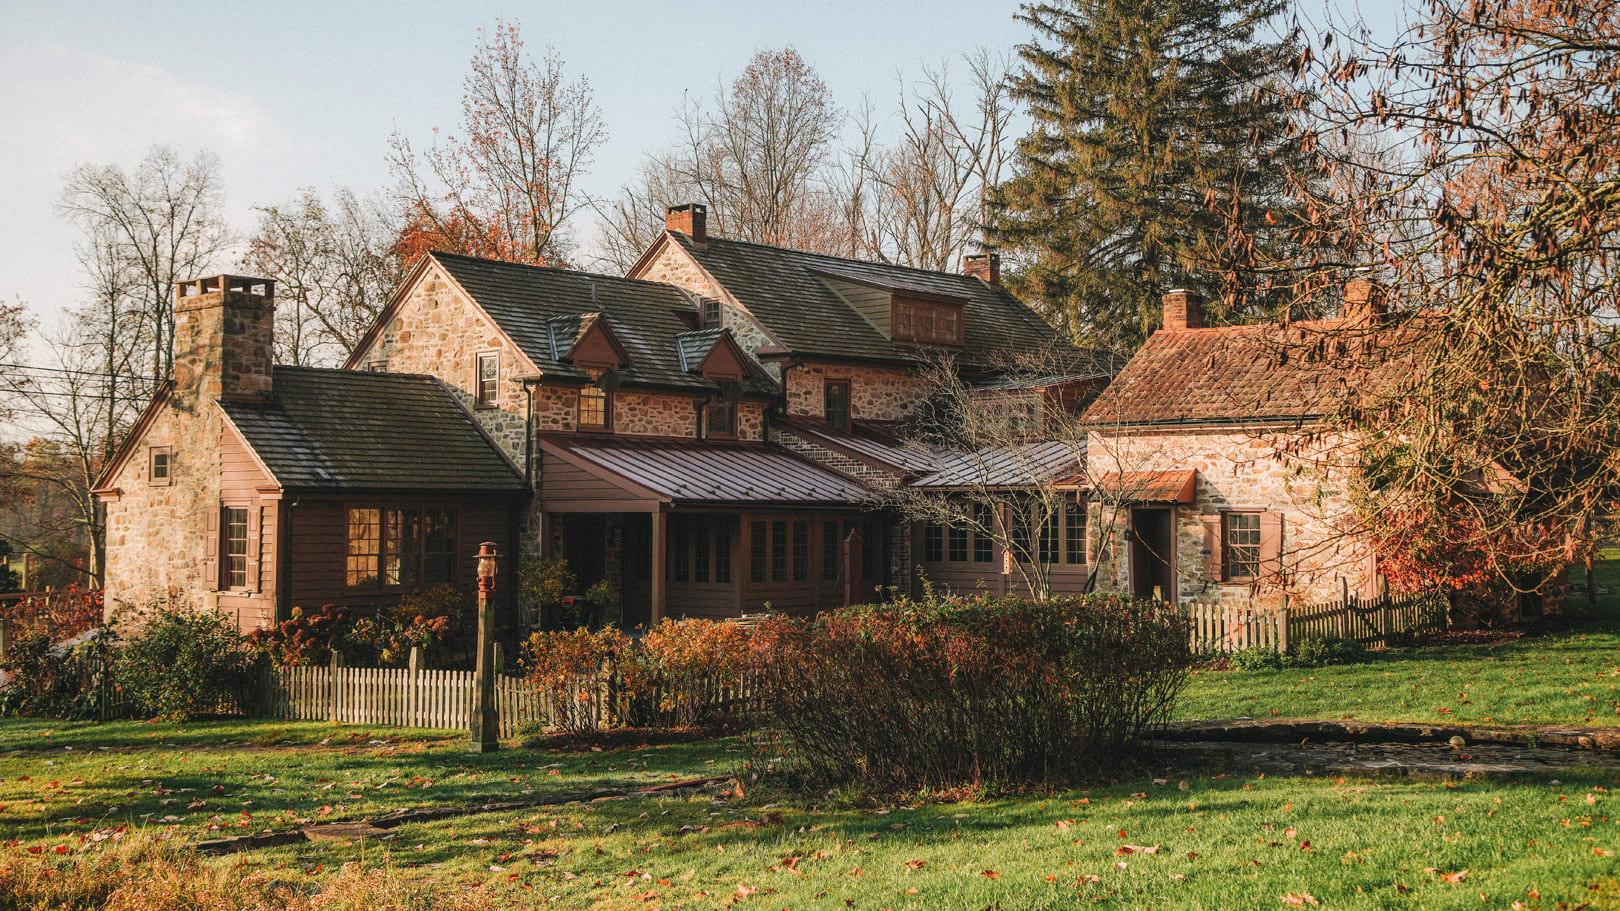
1238	470
674	267
875	393
837	461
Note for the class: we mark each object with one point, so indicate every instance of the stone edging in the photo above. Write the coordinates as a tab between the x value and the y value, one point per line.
1295	730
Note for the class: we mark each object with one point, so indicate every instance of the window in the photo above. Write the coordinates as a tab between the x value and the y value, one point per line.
236	547
489	379
757	556
711	313
830	551
401	547
779	544
933	543
594	410
958	538
680	564
984	541
365	540
1241	544
1049	535
801	551
158	474
378	366
835	403
929	323
1074	533
722	553
700	553
1023	417
870	550
721	419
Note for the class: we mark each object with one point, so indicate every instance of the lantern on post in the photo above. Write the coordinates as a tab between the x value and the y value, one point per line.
485	725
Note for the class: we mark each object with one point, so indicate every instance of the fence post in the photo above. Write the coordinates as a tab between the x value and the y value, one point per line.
1282	626
413	707
500	659
332	679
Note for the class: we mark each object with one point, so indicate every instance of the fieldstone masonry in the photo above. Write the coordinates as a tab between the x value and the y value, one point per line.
875	393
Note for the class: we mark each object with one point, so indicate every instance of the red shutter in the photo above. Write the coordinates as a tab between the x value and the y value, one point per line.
211	550
1271	540
252	581
1214	565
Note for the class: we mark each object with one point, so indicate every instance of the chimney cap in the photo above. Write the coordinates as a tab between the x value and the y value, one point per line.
241	284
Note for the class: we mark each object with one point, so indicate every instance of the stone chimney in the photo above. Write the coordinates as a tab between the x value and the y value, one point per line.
1183	309
1365	300
224	338
690	219
983	265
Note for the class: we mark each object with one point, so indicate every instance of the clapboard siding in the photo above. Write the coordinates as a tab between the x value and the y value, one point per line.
565	487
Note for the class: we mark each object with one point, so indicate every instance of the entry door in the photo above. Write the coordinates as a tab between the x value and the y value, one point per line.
1152	554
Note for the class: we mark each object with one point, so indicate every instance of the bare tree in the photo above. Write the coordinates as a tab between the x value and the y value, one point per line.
334	272
508	186
158	224
630	223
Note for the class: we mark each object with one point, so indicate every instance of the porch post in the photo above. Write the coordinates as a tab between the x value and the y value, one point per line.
659	523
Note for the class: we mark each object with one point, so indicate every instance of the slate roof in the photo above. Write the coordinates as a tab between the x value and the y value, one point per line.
711	472
1259	373
1008	466
356	430
692	347
545	311
782	289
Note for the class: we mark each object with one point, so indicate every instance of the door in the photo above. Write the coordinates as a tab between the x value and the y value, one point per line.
1152	554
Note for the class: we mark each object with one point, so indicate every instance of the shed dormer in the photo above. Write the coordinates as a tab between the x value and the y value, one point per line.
903	313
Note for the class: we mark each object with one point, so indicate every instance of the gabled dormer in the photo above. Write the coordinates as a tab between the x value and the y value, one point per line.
586	340
903	312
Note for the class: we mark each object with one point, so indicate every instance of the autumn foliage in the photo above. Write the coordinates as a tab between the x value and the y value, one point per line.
45	673
942	695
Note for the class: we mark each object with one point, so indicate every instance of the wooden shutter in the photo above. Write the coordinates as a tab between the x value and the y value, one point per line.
1271	539
252	580
1214	565
211	550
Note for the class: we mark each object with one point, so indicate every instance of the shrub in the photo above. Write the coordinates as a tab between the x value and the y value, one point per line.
941	695
682	672
56	655
542	582
432	619
1258	658
184	663
571	668
304	639
1324	652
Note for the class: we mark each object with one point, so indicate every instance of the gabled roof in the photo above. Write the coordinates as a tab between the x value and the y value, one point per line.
708	472
1259	373
694	346
785	291
546	311
356	430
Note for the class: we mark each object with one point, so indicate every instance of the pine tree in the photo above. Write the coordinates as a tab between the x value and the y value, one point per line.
1159	159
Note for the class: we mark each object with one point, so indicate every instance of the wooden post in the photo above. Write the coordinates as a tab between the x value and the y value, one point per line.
660	522
486	731
500	659
332	691
413	702
5	638
1282	626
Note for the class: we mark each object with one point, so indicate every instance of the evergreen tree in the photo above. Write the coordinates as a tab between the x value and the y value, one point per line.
1160	158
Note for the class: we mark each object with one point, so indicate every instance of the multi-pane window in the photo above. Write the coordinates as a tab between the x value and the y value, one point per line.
401	547
958	541
680	562
830	551
933	542
758	555
779	551
722	554
1241	544
801	551
160	465
700	553
721	418
917	321
711	313
365	544
835	404
236	547
983	540
1048	535
489	378
594	413
1074	532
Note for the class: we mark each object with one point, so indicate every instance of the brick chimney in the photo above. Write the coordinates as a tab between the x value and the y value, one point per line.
690	219
224	338
983	265
1183	309
1365	300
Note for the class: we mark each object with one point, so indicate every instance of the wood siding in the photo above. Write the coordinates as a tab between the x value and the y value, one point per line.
566	487
244	485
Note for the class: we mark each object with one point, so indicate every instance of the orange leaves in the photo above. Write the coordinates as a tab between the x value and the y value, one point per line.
991	874
1299	899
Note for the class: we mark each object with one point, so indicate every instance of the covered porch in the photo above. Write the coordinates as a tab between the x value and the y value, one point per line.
684	529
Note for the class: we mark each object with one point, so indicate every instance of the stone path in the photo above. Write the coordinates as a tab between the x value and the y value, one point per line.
1405	750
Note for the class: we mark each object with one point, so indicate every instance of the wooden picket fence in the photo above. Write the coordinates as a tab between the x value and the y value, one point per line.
1370	621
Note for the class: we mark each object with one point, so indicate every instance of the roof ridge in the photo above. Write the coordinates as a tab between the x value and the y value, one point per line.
844	259
559	270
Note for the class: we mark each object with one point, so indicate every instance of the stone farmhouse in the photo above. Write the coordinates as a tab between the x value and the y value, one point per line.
710	436
705	434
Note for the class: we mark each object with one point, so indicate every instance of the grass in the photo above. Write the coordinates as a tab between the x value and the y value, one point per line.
1221	842
1568	677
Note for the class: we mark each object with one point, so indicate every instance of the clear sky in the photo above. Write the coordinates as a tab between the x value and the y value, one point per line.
294	93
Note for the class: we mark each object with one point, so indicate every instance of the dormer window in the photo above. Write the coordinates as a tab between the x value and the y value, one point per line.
835	403
720	419
926	322
595	408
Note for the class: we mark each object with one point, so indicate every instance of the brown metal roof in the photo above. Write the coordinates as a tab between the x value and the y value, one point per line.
709	472
866	441
1008	466
1149	486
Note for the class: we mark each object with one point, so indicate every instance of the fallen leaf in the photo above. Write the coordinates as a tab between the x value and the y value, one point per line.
990	873
1301	899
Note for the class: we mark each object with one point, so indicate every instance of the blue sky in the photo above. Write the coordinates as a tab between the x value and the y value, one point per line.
299	93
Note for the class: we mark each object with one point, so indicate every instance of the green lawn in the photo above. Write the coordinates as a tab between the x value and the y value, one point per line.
1221	842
